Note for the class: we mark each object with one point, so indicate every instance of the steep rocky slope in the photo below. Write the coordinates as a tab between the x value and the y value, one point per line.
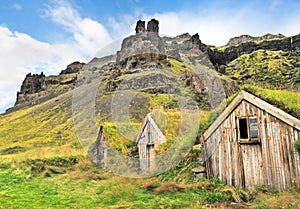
270	57
146	62
38	88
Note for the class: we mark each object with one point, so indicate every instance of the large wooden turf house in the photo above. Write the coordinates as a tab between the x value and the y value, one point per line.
149	137
252	143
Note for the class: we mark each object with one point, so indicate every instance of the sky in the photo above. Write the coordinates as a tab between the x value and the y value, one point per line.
47	35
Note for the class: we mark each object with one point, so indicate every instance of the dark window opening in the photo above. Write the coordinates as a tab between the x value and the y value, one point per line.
243	128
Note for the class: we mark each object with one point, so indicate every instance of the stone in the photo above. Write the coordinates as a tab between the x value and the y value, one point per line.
74	67
152	26
33	83
199	169
247	38
195	39
140	27
193	42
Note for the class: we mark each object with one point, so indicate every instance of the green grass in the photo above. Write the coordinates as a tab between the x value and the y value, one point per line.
20	190
267	69
178	67
288	101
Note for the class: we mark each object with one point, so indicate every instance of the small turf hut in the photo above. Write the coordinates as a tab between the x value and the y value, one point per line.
147	140
252	143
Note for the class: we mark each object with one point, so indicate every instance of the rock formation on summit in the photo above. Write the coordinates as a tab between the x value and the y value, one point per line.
152	26
37	88
140	27
142	43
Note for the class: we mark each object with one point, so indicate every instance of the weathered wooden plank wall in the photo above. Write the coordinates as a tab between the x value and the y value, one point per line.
273	162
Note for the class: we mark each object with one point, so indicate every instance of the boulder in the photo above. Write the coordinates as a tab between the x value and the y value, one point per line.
74	67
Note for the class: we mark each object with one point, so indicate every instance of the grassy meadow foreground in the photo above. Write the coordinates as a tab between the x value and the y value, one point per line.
42	165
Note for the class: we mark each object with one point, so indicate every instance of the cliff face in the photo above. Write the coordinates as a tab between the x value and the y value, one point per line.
247	38
241	45
33	84
37	88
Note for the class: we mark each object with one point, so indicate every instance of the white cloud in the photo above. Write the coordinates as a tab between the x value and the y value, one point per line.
88	34
21	54
217	25
213	28
291	24
17	6
125	24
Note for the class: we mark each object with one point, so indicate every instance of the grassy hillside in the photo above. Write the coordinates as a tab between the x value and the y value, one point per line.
42	165
267	69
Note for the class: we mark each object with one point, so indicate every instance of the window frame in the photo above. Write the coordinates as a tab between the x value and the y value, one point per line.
249	139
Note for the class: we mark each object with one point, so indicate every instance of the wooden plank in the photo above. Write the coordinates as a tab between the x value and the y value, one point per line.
296	160
270	150
290	154
273	162
281	154
277	156
264	151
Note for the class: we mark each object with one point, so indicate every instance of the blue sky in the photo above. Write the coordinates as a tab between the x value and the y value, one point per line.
47	35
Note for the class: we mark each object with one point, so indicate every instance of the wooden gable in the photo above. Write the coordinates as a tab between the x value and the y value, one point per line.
148	138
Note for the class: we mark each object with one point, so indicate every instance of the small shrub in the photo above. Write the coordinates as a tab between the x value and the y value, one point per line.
246	196
76	145
266	190
216	196
12	150
216	182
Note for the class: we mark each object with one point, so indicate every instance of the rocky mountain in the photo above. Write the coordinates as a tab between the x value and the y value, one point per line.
146	62
146	59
